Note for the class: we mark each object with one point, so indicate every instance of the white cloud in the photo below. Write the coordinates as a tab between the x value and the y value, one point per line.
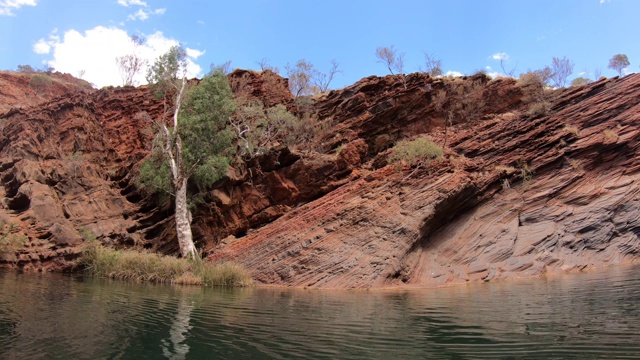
41	47
138	15
500	56
453	73
7	6
95	51
604	1
194	53
132	2
144	15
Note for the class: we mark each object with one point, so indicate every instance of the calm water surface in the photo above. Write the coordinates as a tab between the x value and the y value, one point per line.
582	316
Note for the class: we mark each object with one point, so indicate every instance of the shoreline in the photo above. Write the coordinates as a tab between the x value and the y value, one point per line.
392	288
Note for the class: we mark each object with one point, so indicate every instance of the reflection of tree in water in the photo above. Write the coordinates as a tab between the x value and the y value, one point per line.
175	346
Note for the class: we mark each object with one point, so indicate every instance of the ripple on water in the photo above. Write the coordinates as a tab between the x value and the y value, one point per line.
589	315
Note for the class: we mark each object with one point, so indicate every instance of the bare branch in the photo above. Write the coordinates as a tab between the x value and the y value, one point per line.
224	67
597	74
393	61
504	71
264	65
389	57
130	65
322	81
433	66
241	130
179	100
561	69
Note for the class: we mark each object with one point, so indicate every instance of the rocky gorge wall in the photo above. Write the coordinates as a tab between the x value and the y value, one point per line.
514	195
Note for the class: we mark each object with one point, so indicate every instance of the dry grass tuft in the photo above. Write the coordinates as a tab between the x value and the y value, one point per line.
610	135
129	265
539	108
571	130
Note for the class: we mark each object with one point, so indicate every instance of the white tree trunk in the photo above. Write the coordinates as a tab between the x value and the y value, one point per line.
183	221
182	214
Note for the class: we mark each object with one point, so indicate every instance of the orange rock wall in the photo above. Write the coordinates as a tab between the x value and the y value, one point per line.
339	215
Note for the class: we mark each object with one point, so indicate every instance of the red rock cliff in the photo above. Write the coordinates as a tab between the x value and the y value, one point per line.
345	218
471	216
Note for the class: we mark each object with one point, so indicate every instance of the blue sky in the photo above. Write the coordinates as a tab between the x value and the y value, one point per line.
87	35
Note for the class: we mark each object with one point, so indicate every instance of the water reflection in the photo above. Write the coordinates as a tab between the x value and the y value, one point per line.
569	316
176	347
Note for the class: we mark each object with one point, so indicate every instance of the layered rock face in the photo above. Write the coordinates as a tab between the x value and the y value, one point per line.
65	171
515	194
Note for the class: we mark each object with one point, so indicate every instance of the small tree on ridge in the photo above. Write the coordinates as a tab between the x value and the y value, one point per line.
130	65
392	60
433	66
322	80
300	78
619	62
560	70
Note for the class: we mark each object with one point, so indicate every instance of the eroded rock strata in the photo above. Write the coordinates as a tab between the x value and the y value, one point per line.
515	194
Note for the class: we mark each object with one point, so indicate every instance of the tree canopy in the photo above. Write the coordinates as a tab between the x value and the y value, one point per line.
207	141
619	62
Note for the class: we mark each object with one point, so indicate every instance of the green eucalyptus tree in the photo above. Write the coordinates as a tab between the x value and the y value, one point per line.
197	144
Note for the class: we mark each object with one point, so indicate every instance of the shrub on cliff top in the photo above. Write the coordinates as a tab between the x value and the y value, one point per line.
26	69
40	82
419	152
533	84
579	81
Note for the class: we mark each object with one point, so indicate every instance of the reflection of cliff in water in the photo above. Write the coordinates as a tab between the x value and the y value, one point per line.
593	314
